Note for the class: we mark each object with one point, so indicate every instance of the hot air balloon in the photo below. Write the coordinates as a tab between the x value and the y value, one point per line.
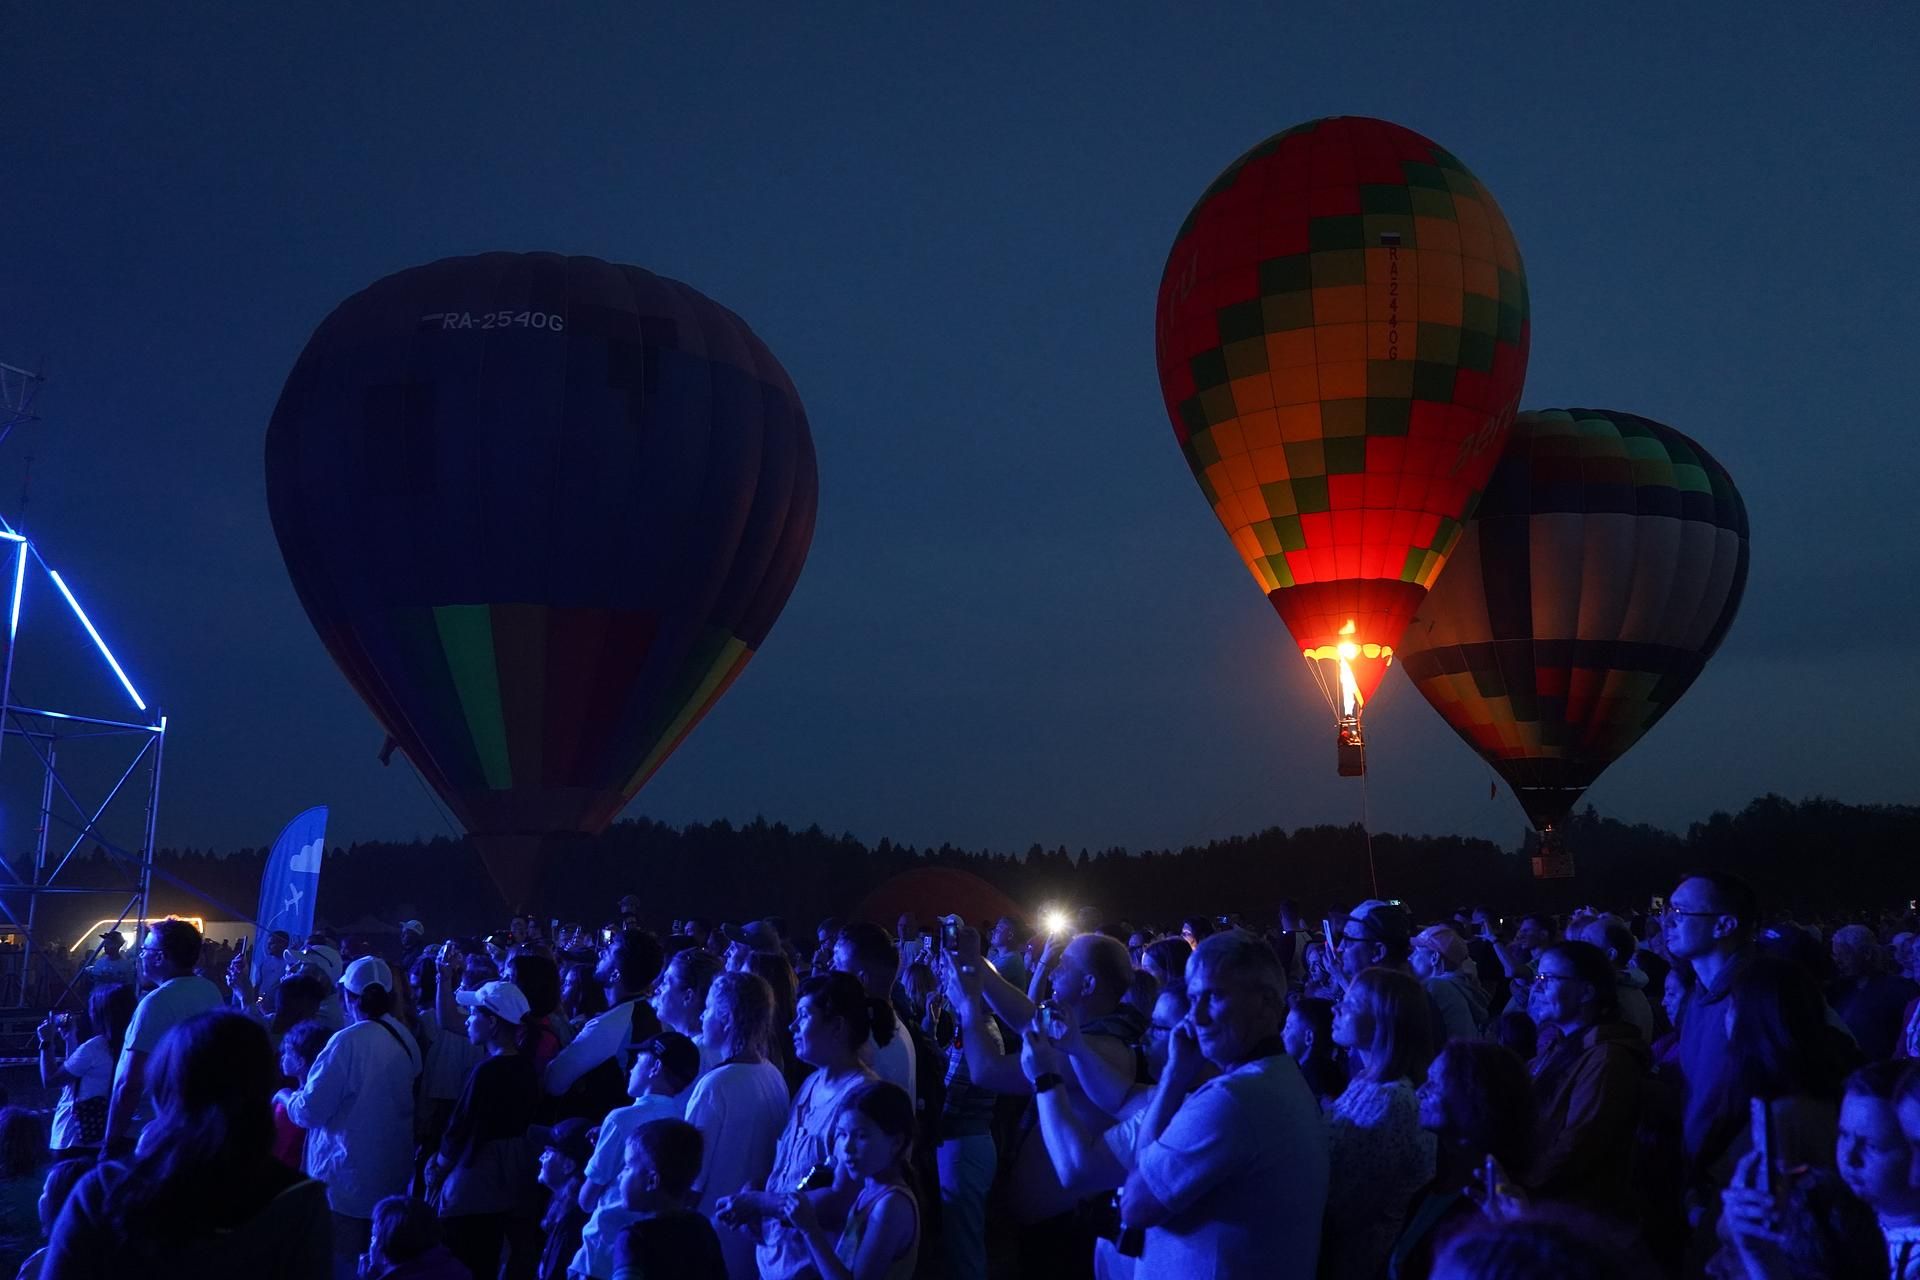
1602	570
1342	337
541	510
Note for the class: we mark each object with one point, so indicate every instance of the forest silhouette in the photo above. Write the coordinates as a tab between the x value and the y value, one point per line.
1815	854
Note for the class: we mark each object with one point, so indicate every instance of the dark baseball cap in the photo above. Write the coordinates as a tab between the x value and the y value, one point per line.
679	1055
572	1138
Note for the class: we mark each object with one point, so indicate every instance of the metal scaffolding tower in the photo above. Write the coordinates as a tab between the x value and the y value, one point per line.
62	757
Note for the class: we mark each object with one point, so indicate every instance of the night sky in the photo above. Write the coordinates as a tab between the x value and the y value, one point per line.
1020	622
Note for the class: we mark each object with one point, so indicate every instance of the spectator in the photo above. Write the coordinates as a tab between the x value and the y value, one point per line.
865	951
546	1029
581	998
627	970
438	978
1784	1052
663	1237
413	943
1224	1179
740	1106
778	973
166	959
110	965
830	1027
1868	998
1673	997
480	1175
680	998
664	1068
1308	1037
1709	924
1475	1103
1087	978
1614	937
1379	1156
569	1146
406	1244
872	1194
967	1156
202	1194
1441	962
58	1187
1007	949
84	1070
1588	1088
298	1050
1799	1230
1541	1243
23	1151
357	1108
321	960
1167	960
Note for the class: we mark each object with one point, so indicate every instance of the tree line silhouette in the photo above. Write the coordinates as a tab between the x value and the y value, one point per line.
1816	854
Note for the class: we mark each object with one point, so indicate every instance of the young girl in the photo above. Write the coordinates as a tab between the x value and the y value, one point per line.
879	1235
83	1071
298	1048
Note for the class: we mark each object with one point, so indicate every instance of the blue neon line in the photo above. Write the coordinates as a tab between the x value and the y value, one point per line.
19	589
81	614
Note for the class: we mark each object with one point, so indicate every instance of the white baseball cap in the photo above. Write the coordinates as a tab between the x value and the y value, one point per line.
367	971
501	999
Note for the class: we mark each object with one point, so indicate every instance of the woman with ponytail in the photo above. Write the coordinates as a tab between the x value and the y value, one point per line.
203	1194
832	1019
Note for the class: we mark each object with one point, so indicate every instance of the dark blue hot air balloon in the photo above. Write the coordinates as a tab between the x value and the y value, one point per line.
541	510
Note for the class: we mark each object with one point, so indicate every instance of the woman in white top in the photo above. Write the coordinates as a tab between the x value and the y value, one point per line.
1379	1153
739	1106
83	1070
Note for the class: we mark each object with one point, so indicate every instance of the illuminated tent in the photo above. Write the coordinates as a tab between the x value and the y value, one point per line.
541	510
1342	337
1603	569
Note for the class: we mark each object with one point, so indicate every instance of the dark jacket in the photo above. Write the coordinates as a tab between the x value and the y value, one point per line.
1588	1094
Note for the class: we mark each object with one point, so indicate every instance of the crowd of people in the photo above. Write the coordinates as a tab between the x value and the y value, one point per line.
1695	1090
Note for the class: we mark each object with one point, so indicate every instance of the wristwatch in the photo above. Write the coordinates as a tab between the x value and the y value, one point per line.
1045	1081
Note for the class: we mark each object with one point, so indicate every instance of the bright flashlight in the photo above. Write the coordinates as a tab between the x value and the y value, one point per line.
1055	920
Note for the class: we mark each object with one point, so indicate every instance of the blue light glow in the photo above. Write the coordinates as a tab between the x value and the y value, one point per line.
19	589
105	652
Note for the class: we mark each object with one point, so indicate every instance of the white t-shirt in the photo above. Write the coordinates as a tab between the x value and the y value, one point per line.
739	1109
91	1066
893	1062
610	1148
1242	1167
166	1007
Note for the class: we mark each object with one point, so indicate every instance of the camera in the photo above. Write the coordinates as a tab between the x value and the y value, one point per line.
950	933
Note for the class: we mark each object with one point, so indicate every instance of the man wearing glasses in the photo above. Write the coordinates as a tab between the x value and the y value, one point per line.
166	959
1709	923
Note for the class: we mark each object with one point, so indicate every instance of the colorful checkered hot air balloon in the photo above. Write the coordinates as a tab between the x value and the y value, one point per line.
541	510
1601	571
1342	337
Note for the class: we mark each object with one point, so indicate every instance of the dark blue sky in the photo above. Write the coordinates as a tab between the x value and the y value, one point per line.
1020	621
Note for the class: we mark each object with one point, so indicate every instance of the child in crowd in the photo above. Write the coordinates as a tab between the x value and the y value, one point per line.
662	1159
879	1235
301	1045
663	1066
563	1166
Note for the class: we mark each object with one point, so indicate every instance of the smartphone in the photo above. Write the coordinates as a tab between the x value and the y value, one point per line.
1761	1118
1658	905
606	935
950	932
1048	1018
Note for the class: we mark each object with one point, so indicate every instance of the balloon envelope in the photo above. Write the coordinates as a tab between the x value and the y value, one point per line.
1342	336
1604	566
541	510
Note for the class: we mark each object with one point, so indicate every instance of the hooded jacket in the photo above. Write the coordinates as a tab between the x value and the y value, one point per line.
1588	1093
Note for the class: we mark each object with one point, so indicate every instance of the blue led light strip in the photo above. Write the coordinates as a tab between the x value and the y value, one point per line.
86	622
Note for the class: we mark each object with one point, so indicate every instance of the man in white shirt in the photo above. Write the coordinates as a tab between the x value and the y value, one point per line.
865	951
357	1108
167	958
1227	1179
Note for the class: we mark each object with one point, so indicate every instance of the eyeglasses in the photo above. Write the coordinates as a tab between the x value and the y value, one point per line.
1672	913
1542	979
